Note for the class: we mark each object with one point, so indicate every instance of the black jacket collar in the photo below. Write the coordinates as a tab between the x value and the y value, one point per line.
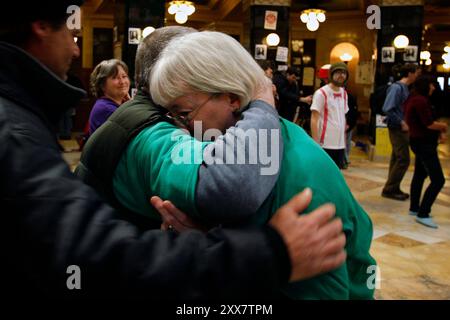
24	80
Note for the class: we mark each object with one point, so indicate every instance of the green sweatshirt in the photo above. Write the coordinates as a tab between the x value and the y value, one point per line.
305	164
147	169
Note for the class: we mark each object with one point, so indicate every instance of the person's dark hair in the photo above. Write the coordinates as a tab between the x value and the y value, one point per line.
422	84
402	71
291	71
149	50
16	17
104	70
266	64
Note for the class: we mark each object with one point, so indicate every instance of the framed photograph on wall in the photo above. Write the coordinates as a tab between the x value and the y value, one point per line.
260	52
134	35
410	54
270	20
387	54
282	54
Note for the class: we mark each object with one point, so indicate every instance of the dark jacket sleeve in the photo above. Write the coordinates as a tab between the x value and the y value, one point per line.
55	221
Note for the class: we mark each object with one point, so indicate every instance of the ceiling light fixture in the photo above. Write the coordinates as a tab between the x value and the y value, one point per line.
346	57
181	9
401	41
312	18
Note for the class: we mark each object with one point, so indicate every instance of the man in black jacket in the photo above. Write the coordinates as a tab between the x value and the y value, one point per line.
289	93
52	221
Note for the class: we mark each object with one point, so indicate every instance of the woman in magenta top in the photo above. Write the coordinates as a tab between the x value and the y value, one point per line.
424	135
110	84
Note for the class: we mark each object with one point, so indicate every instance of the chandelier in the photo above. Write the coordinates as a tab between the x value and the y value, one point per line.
312	17
182	10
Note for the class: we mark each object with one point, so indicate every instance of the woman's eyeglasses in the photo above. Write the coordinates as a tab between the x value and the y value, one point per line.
185	119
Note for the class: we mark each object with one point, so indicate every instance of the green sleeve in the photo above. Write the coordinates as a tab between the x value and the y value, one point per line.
161	160
305	164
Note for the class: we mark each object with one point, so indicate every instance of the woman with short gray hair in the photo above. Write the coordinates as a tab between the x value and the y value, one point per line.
110	84
209	77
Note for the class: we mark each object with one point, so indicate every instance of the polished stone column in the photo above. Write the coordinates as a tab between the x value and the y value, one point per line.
134	14
258	32
398	17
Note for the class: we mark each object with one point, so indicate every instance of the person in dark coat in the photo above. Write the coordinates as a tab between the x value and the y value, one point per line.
289	93
56	225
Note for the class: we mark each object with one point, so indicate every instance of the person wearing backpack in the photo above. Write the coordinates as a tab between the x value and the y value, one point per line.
396	95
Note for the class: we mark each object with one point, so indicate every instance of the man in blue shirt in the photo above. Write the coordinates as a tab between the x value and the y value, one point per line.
398	131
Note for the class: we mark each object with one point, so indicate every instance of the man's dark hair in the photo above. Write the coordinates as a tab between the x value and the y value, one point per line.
293	71
266	64
16	17
402	71
422	84
149	50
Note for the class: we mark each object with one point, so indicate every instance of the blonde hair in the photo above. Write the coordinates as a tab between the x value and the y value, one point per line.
208	62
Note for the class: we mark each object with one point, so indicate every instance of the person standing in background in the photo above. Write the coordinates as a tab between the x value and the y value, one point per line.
328	114
424	132
397	93
289	93
111	85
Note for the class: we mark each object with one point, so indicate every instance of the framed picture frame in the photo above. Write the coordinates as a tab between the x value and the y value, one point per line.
387	54
134	35
260	52
410	54
282	54
270	20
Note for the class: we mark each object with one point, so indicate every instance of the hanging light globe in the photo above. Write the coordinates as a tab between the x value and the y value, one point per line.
173	8
401	41
321	17
304	17
181	17
312	25
184	8
190	10
273	39
312	16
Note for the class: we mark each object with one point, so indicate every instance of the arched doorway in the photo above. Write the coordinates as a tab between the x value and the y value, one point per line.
345	51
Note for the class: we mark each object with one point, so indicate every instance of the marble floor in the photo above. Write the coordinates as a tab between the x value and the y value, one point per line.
414	261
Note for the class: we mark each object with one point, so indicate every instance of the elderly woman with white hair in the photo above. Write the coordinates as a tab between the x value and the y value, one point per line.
208	77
